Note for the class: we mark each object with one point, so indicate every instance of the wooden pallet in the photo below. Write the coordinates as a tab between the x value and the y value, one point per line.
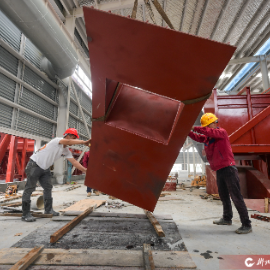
97	257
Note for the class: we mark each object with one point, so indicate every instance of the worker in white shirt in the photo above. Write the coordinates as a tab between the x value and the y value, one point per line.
38	169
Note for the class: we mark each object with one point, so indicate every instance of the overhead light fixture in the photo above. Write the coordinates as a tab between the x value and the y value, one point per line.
225	75
259	75
256	90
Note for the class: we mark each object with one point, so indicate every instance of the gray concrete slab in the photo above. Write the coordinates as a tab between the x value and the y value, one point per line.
194	217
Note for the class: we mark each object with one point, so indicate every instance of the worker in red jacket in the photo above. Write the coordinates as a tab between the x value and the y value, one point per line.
85	164
220	156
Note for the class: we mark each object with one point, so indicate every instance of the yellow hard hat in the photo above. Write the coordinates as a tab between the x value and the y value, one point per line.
207	119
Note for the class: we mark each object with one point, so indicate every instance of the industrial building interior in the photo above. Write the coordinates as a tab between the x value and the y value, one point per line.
156	209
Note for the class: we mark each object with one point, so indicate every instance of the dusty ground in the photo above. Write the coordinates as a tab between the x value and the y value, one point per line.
206	243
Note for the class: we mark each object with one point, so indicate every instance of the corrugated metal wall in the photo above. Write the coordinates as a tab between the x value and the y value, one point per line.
11	90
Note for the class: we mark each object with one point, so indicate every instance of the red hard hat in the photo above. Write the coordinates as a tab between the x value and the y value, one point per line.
72	131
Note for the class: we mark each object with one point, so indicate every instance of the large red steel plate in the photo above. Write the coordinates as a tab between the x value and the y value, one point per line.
140	74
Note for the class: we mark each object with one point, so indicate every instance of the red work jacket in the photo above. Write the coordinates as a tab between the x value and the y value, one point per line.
216	144
85	159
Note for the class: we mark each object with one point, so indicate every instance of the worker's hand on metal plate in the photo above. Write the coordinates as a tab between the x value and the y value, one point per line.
88	142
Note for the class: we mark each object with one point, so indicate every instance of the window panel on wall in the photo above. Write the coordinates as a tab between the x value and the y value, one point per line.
38	83
72	93
37	104
8	61
9	32
86	103
32	53
88	119
7	88
82	129
5	115
34	125
73	108
72	122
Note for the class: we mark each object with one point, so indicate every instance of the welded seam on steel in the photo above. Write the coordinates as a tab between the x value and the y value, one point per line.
195	100
104	117
186	102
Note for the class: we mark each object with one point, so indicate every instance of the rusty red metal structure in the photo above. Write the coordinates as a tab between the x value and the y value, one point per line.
14	155
149	85
246	118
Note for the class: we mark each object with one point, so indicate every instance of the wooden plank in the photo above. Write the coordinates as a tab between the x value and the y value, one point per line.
148	257
82	205
120	215
18	196
155	223
33	214
99	257
57	235
266	205
13	204
11	198
28	259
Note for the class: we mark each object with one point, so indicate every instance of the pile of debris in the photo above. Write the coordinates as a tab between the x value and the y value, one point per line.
199	181
118	205
210	197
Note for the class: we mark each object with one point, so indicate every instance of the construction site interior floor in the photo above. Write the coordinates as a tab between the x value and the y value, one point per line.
192	216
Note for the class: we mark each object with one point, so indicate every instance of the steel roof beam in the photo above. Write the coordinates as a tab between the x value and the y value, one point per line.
266	35
225	5
257	84
244	81
263	5
193	16
202	17
183	15
234	23
257	44
109	6
250	59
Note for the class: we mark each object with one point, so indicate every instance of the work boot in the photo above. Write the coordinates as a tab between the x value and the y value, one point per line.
48	207
89	194
222	222
26	212
244	230
96	192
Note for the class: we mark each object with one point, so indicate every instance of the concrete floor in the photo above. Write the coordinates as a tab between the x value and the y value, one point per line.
206	243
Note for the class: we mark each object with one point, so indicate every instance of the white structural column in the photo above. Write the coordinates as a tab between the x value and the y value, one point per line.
184	164
62	124
264	70
37	145
188	167
194	163
203	167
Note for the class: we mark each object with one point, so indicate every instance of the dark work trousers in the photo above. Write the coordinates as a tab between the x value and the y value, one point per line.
228	185
35	173
88	189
